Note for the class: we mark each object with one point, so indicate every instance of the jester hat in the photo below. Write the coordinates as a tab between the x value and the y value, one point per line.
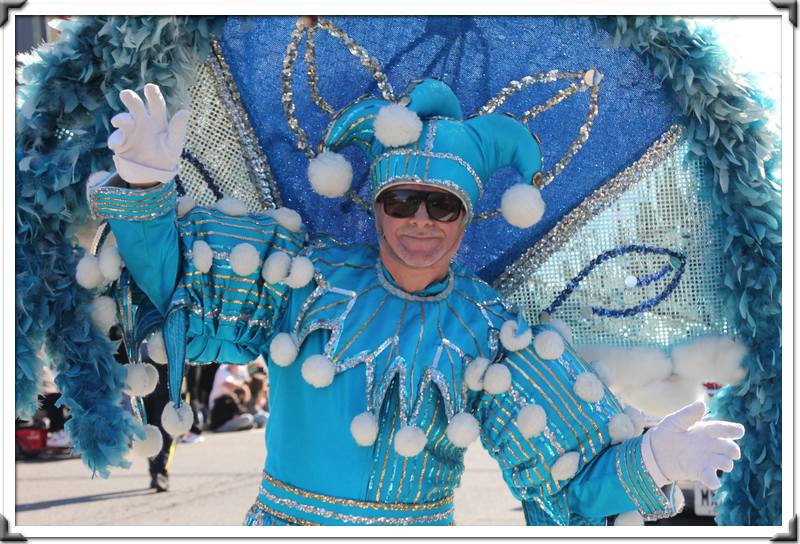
423	138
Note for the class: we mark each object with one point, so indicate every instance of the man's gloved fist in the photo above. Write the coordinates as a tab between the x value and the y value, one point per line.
686	448
146	147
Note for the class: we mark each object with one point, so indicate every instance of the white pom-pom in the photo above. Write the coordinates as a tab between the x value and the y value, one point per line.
156	349
283	349
497	379
276	267
565	466
409	441
202	256
561	326
151	444
110	263
531	420
588	387
87	273
463	429
231	206
287	218
300	272
522	205
318	370
473	374
244	259
621	428
104	313
604	372
630	281
630	518
330	174
509	338
548	345
177	421
364	428
141	379
396	125
637	420
185	204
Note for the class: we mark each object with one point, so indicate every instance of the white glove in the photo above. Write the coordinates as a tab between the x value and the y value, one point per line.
685	448
147	148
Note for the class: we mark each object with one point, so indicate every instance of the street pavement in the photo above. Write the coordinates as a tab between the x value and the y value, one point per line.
211	483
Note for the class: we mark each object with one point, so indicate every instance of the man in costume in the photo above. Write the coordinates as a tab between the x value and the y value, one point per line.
385	364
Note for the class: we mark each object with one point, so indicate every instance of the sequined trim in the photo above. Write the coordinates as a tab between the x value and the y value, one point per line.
255	516
639	485
399	293
132	204
430	155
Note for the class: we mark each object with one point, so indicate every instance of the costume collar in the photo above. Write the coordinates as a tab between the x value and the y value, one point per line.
435	291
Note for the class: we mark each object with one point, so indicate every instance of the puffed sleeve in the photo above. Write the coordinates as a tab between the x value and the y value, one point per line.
564	443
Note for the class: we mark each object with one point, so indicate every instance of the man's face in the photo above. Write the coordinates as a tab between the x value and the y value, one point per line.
418	241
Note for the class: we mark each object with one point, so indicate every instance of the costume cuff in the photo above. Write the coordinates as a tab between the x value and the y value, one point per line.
108	202
650	462
639	484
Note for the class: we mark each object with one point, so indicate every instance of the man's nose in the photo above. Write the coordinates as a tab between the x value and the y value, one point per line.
421	215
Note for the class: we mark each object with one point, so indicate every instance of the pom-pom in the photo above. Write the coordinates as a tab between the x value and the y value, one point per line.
364	428
531	420
283	349
244	259
548	345
565	466
509	338
463	429
409	441
156	349
497	379
151	444
177	421
110	263
330	174
588	387
141	381
202	256
522	205
473	374
561	326
231	206
185	204
276	267
318	370
300	272
87	273
396	125
637	419
104	313
287	218
630	518
621	428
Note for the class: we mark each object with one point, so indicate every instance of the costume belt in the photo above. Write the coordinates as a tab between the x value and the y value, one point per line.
300	507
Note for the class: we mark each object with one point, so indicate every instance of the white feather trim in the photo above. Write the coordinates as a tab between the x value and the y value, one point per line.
531	420
637	419
244	259
509	339
561	326
330	174
603	371
396	125
110	263
202	256
463	429
621	428
473	374
711	359
522	205
87	273
185	205
177	421
318	370
663	397
631	368
588	387
631	518
156	349
276	267
565	466
409	441
300	272
287	218
364	428
283	349
104	313
548	345
140	380
497	379
151	444
231	206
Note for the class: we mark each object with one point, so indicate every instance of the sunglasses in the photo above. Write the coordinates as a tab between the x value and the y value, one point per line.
403	203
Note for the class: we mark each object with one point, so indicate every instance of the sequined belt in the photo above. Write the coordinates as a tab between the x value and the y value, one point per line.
301	507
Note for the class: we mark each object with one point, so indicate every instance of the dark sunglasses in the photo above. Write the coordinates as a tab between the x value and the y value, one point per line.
403	203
